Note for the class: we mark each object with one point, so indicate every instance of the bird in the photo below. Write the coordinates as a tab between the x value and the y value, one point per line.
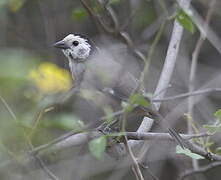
96	69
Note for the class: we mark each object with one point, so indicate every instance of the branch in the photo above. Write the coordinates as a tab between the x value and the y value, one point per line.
199	170
12	114
211	36
194	93
135	167
168	68
82	138
114	31
160	136
192	77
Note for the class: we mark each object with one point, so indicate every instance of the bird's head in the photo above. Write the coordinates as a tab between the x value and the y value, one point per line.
76	47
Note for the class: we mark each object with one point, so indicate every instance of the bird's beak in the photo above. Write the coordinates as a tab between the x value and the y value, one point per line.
61	44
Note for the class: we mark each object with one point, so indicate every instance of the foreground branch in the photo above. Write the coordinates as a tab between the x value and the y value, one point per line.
199	170
49	154
168	68
184	95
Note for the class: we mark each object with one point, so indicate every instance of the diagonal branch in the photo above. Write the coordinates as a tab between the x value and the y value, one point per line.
184	95
200	170
168	67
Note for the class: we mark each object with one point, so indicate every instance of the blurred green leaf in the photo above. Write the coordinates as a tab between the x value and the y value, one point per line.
3	3
218	114
127	107
109	114
187	152
208	144
64	122
97	147
218	150
16	64
15	5
79	14
185	21
138	99
118	134
114	2
2	151
214	128
144	15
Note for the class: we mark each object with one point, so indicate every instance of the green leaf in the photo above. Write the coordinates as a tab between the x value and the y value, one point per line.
138	99
218	150
216	126
109	114
127	107
185	21
212	129
187	152
218	114
97	147
208	144
79	14
114	2
118	134
64	122
3	3
16	5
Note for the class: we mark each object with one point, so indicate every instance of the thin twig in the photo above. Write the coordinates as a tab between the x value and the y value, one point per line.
41	163
171	58
130	135
184	95
168	67
200	170
211	36
151	51
161	136
114	31
192	77
8	108
136	167
44	167
82	138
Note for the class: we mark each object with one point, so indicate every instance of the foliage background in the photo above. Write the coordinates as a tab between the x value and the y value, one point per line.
28	28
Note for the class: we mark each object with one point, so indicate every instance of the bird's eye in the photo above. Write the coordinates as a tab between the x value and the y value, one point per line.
75	43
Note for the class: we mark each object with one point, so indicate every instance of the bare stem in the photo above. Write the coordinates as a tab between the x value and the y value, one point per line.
192	77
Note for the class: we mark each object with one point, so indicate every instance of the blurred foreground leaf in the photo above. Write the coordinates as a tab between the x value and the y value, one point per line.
138	99
64	122
14	68
127	107
185	21
114	2
216	126
218	114
109	114
187	152
218	150
97	147
3	3
79	14
134	101
15	5
15	64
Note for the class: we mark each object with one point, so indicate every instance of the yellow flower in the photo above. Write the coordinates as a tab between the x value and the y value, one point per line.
50	78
